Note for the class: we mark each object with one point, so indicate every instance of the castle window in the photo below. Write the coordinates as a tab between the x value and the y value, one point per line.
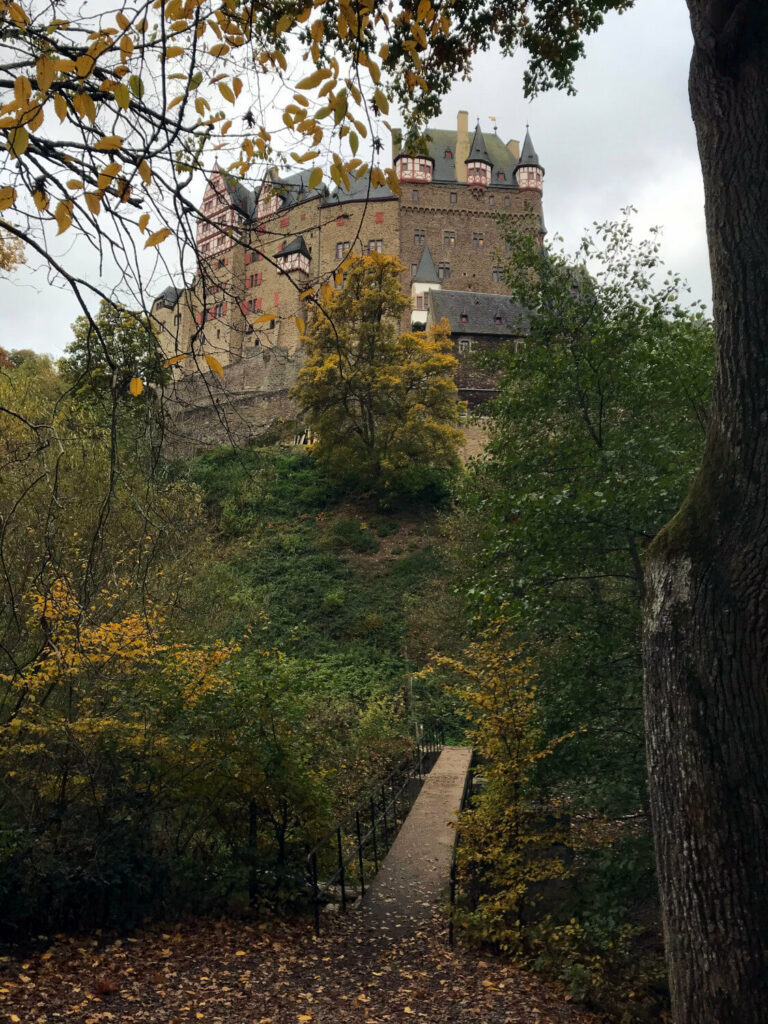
376	245
491	200
223	262
453	197
419	237
464	319
507	201
414	268
444	271
415	195
448	154
478	240
177	319
501	176
342	248
449	238
498	274
498	320
419	302
379	218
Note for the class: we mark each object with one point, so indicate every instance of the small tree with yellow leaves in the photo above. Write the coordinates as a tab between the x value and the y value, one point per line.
512	842
382	405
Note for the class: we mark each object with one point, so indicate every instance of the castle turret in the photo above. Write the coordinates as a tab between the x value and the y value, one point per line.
529	172
479	164
424	280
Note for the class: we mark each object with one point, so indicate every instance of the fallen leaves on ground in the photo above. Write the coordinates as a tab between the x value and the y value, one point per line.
236	972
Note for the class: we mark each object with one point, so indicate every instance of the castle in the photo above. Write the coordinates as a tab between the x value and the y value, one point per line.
262	253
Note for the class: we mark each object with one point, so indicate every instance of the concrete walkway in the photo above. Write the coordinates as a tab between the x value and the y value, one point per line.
415	874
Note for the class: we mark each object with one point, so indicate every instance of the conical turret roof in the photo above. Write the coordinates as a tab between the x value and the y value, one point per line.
477	151
426	272
529	156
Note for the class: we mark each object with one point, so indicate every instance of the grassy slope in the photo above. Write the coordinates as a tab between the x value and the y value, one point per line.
335	586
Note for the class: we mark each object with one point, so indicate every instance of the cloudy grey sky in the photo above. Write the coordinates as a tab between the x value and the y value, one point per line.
625	138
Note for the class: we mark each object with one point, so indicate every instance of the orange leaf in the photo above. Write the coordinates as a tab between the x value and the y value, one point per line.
215	365
136	386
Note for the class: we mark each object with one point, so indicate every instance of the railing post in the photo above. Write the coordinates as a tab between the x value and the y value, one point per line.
360	853
315	891
453	898
341	871
384	815
373	829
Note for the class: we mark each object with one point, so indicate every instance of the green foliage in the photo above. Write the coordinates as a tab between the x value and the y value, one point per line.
108	351
595	437
382	405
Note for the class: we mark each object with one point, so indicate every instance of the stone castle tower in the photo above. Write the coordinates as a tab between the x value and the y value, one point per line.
262	252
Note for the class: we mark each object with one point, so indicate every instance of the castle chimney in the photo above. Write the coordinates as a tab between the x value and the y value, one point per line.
462	145
514	148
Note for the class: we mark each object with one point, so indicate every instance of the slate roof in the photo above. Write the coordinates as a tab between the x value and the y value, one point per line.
426	272
241	197
359	191
477	151
170	296
481	310
440	141
528	156
295	189
295	245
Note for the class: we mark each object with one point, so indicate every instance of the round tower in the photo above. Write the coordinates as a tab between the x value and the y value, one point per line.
529	172
479	165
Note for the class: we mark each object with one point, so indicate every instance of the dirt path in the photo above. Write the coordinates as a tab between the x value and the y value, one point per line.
413	880
232	972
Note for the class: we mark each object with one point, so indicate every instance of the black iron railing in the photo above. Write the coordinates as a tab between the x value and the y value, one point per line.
345	860
466	796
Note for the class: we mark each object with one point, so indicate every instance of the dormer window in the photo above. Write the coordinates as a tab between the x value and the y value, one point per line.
498	320
448	154
501	176
464	318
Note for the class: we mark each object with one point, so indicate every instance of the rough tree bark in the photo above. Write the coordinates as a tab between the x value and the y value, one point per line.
706	619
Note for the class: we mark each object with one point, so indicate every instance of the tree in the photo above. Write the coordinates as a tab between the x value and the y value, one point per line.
594	438
113	358
383	405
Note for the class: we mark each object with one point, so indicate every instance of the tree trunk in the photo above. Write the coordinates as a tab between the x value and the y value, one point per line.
705	641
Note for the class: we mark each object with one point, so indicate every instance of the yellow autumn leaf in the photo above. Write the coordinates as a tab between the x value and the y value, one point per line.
219	50
157	237
60	106
381	101
93	202
122	96
263	319
145	171
45	70
174	51
18	140
174	359
63	215
109	142
226	92
315	177
122	21
136	386
7	197
143	221
300	325
42	202
313	80
215	365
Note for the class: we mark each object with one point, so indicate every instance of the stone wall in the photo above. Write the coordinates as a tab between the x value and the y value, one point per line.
204	410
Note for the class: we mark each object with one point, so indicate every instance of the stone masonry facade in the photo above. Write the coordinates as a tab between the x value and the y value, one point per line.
262	253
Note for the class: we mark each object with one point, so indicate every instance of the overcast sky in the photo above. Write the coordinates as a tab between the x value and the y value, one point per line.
625	138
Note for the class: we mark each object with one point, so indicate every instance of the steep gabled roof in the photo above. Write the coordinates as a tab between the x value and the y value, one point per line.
295	245
169	296
426	272
482	310
441	141
360	190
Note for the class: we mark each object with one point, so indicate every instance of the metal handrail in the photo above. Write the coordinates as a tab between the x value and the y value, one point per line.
384	797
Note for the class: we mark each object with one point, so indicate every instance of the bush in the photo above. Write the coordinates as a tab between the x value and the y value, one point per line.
354	535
